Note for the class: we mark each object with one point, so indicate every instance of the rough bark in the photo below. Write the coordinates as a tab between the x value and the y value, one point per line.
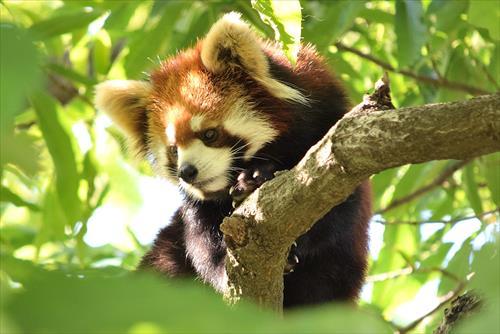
261	230
460	308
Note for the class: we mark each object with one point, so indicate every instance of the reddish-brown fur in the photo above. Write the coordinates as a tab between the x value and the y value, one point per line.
333	253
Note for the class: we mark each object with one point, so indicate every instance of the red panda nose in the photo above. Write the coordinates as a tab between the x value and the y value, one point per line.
188	173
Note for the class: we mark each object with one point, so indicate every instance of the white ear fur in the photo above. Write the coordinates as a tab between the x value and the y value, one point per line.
231	39
124	101
232	43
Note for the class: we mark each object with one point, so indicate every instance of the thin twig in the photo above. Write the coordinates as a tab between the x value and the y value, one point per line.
433	62
481	65
409	271
443	300
426	79
445	175
390	275
439	221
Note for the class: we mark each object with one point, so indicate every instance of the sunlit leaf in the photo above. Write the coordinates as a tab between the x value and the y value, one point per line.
471	189
102	52
113	305
485	282
447	13
144	49
21	150
489	166
16	235
19	75
6	195
334	20
410	30
459	266
485	14
285	18
60	148
71	74
60	24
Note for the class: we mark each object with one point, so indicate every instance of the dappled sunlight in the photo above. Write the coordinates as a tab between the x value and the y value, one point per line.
79	207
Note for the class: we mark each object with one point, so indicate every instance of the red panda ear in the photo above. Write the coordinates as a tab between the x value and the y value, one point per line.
231	43
125	101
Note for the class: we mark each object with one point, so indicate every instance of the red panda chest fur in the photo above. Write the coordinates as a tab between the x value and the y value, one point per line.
219	120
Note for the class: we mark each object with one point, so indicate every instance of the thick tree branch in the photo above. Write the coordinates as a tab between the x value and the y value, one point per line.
442	82
261	230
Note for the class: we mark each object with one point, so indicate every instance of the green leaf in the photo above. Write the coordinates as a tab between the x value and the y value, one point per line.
410	30
489	167
485	280
494	67
22	150
147	44
398	240
102	52
459	265
377	15
284	17
335	19
6	195
486	14
196	22
17	235
437	256
18	71
447	13
120	17
410	180
54	218
461	70
89	173
60	148
133	303
19	75
471	189
71	74
19	270
65	22
381	183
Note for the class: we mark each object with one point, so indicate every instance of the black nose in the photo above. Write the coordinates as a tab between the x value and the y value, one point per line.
188	173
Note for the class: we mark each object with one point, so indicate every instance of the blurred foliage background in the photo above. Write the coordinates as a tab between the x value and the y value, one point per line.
76	216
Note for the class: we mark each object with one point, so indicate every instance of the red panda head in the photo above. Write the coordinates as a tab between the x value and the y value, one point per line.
198	114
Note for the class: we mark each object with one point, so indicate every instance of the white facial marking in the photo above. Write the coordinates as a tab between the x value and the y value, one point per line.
196	122
249	125
212	165
170	133
159	161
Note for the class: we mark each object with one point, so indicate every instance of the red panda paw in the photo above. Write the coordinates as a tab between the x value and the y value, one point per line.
249	180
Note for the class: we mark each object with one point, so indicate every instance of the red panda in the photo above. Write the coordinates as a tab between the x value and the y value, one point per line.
219	120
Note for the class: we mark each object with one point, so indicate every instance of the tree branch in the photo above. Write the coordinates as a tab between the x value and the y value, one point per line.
259	233
440	221
442	302
462	306
443	82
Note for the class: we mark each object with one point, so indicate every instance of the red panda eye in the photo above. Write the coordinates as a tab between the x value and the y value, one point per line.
173	150
210	135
